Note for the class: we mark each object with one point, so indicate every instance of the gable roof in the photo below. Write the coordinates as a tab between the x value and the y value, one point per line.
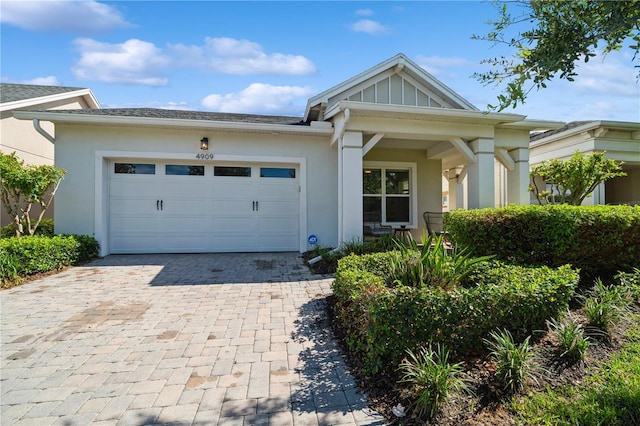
13	96
429	91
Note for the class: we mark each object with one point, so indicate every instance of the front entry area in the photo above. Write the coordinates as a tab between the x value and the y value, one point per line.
182	207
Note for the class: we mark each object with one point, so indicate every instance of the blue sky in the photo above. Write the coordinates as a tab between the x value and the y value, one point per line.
269	57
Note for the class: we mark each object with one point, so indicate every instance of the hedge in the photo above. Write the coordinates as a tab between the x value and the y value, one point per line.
25	256
382	322
598	240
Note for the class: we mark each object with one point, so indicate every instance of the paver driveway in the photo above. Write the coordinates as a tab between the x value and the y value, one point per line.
198	339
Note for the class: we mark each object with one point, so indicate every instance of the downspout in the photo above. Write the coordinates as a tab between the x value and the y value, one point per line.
43	132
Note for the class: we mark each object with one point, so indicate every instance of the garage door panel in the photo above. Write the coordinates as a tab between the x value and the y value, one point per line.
279	207
137	244
138	187
234	189
203	213
138	224
233	224
184	223
177	206
278	223
279	191
186	187
239	207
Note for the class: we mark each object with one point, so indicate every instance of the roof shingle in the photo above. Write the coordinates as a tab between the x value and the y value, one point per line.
10	92
186	115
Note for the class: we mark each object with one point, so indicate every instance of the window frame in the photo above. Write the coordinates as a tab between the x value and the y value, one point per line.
383	166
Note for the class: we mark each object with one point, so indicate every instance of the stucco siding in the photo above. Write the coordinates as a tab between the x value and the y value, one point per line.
78	146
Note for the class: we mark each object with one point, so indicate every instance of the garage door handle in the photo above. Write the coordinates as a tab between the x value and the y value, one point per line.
253	206
257	206
161	202
157	204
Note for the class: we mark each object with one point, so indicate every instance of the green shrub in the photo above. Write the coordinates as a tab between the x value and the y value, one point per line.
571	337
25	256
605	306
431	378
433	264
515	363
597	240
44	229
381	323
631	282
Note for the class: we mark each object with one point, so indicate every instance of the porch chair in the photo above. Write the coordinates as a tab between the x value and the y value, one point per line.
435	223
435	227
373	227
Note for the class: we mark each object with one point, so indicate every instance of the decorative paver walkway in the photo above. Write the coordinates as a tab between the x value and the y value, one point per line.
189	339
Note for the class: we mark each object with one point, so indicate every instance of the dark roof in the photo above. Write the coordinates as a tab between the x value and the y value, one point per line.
185	115
568	126
10	92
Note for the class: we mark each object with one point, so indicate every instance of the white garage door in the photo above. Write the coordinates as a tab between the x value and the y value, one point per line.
177	207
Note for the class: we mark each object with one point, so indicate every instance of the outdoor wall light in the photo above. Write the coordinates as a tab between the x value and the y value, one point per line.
204	144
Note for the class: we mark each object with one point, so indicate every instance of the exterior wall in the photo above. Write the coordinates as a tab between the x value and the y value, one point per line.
78	147
21	137
429	179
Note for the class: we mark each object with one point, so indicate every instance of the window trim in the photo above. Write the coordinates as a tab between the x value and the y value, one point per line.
413	188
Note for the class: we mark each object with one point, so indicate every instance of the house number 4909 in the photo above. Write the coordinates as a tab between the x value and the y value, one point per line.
207	156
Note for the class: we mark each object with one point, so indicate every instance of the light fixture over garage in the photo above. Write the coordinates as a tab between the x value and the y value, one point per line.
204	144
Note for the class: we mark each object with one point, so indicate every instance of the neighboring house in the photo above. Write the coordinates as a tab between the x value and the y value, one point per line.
151	180
22	137
620	141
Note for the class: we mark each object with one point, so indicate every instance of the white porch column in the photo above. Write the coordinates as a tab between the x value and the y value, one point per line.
452	183
480	175
518	179
350	191
456	190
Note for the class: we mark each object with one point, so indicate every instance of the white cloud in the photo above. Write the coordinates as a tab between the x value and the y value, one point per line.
364	12
231	56
436	64
49	80
131	62
84	17
261	98
610	75
368	26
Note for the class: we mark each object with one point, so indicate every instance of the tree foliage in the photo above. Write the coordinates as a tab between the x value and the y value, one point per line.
571	181
559	34
22	186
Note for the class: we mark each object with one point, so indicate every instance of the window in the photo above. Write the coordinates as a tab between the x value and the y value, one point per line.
180	170
135	169
388	194
232	171
277	172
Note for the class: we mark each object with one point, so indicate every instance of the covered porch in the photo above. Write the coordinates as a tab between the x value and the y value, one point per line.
391	160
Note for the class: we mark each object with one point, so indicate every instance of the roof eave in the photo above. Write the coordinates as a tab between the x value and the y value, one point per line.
87	94
169	122
533	125
618	125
